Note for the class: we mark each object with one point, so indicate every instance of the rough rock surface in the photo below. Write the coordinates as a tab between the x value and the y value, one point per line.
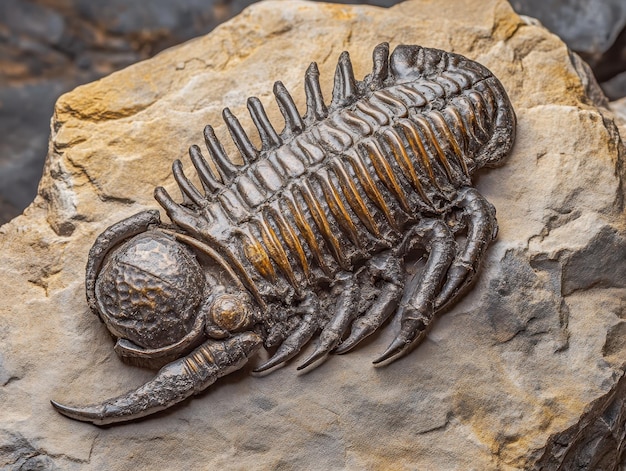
48	47
538	339
597	441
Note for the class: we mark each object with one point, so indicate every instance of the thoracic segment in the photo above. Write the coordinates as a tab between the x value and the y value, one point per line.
398	144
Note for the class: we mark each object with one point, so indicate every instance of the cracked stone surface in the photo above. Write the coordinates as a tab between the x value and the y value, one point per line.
517	362
597	440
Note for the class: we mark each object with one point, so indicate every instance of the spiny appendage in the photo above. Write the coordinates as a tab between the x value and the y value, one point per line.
296	236
450	267
476	108
337	213
422	156
419	158
404	149
440	147
292	336
425	155
447	134
381	277
173	383
377	100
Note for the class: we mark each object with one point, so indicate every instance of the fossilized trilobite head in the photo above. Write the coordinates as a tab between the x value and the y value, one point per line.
161	293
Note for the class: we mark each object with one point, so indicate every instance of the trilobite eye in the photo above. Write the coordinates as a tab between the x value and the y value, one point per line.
231	313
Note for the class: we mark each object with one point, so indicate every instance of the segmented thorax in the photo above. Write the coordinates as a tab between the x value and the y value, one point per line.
345	181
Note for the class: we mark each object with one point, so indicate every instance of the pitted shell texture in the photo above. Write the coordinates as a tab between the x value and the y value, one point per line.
149	290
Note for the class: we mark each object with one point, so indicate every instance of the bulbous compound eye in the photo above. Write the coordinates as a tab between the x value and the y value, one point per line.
232	312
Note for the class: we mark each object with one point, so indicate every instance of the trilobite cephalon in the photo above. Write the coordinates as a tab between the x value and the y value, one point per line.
311	233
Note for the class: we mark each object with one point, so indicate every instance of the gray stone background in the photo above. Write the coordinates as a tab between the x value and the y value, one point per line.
48	47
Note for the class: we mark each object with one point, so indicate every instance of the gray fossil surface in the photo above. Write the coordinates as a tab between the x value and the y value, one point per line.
536	343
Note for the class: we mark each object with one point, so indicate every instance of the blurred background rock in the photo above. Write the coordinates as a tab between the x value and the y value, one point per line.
48	47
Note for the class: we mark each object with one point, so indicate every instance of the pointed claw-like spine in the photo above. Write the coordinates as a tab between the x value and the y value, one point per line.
398	347
344	89
411	332
240	138
267	133
346	311
187	189
291	345
173	383
386	268
416	306
380	69
179	214
482	228
209	182
287	107
315	107
225	167
365	326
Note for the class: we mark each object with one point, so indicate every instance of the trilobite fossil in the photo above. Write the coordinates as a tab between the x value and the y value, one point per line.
311	234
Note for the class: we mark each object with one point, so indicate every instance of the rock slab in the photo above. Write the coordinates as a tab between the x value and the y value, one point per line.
538	339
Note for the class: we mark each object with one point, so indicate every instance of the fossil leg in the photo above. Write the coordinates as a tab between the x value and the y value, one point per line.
417	305
346	310
173	383
298	338
389	268
482	228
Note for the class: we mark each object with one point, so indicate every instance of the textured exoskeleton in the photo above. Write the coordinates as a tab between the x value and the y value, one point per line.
311	233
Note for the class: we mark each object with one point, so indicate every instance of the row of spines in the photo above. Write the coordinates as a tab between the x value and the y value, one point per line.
344	194
346	90
228	171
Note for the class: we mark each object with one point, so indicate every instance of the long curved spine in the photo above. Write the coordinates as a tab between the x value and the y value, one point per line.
173	383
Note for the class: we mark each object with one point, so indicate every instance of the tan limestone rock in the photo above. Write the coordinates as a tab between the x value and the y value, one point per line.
514	363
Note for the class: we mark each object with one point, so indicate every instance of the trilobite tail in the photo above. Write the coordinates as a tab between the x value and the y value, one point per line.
499	146
173	383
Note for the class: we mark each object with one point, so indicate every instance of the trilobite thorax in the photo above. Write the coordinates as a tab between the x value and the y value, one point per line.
344	181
